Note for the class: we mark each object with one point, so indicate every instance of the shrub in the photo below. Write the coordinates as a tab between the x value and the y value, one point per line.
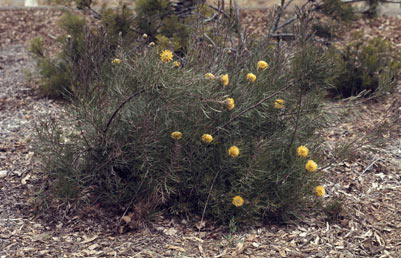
145	131
365	67
338	10
119	26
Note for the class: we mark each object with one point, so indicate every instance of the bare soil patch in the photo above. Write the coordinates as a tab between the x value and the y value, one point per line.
369	184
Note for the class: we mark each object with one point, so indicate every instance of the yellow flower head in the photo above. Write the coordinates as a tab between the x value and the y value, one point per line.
210	76
116	61
176	135
302	151
145	36
224	79
207	138
251	77
279	103
166	56
229	103
262	65
319	191
238	201
311	166
177	64
233	151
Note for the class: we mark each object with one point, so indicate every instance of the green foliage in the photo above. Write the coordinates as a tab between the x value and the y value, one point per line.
117	23
120	152
37	47
366	66
338	10
80	61
335	210
155	19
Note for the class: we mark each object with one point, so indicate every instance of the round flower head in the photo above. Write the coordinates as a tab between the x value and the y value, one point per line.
319	191
177	64
279	103
176	135
262	65
116	61
302	151
210	76
166	56
238	201
251	77
145	36
311	166
229	103
224	79
207	138
233	151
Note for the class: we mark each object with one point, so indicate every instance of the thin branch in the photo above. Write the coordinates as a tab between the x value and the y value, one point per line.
208	38
297	121
119	108
295	17
219	10
370	165
241	34
279	13
207	200
289	21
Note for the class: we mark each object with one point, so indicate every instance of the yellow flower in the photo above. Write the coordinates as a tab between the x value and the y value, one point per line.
145	36
238	201
166	56
311	166
210	76
151	44
224	79
229	103
176	135
279	103
262	65
177	64
207	138
251	77
302	151
319	191
233	151
116	61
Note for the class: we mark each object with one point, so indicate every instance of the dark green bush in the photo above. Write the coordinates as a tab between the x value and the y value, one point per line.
365	66
119	26
338	10
118	149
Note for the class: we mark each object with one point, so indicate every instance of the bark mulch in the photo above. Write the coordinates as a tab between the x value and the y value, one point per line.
369	184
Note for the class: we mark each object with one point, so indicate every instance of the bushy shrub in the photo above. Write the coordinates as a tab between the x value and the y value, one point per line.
365	66
154	19
147	130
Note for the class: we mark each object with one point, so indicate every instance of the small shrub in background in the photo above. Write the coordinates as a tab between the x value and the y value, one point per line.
338	10
368	67
155	19
216	136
